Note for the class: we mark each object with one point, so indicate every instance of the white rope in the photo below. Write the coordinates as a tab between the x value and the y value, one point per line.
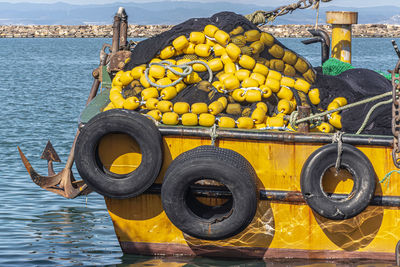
186	67
337	138
213	134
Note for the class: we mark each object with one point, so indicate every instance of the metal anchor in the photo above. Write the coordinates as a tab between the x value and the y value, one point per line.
63	183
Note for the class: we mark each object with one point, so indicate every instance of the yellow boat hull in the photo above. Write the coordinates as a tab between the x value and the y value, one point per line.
285	228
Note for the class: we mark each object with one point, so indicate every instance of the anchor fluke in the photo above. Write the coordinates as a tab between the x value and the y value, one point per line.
50	154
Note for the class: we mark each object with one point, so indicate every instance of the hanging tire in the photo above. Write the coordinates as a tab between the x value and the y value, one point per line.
356	163
210	222
141	130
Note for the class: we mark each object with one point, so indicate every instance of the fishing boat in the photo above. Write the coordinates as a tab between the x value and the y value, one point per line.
184	188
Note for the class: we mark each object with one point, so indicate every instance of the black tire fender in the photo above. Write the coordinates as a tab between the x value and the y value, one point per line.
201	221
137	126
356	163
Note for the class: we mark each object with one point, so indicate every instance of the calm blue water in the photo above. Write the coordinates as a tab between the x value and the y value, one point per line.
44	84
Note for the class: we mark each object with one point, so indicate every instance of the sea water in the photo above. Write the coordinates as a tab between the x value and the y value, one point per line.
44	84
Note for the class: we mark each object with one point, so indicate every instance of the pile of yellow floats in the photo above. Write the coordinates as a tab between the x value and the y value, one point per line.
241	74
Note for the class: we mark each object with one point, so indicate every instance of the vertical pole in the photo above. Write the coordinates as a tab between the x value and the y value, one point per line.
116	33
304	111
341	33
123	38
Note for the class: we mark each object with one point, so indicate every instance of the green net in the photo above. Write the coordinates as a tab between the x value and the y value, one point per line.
386	75
335	67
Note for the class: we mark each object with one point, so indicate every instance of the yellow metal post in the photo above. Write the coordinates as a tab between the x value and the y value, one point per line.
341	33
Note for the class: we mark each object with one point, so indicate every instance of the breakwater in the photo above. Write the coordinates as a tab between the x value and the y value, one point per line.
140	31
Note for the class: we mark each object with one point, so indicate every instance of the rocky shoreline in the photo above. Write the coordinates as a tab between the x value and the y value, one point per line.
144	31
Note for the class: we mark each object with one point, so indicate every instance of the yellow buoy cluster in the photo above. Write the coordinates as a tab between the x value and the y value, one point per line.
246	66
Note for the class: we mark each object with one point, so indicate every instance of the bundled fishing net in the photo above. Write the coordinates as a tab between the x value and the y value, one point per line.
223	70
355	84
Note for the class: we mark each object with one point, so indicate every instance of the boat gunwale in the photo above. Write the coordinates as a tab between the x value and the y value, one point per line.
276	136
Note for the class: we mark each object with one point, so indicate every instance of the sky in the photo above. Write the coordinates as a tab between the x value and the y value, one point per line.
347	3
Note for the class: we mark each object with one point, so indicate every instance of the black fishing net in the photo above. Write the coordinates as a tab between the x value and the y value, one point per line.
226	21
147	49
355	85
192	94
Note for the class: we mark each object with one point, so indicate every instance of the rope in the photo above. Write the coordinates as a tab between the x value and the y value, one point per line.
157	123
260	17
245	89
386	179
284	128
370	113
293	120
322	114
186	67
316	20
337	138
213	134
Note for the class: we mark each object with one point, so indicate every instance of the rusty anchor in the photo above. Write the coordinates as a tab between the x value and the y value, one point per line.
64	182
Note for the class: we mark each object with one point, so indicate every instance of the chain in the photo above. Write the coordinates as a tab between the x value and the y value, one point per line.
261	17
396	115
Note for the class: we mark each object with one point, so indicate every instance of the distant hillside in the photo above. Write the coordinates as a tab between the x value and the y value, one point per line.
392	20
167	12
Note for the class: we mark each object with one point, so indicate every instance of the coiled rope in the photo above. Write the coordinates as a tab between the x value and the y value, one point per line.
186	67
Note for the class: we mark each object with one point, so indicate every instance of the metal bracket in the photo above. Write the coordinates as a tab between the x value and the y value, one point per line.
323	38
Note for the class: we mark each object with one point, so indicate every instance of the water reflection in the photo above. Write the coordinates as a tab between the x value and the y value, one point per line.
136	261
64	226
71	235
